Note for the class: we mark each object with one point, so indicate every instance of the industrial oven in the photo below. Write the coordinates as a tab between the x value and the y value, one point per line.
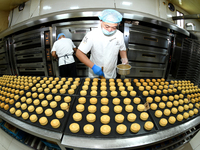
4	58
148	50
31	52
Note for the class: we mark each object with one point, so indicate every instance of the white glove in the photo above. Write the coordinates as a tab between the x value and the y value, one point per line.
124	61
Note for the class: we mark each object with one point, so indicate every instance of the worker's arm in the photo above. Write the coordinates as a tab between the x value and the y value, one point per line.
75	49
84	59
54	54
123	55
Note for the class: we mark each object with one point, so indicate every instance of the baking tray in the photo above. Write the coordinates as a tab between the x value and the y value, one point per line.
162	94
108	88
97	124
156	120
48	126
54	86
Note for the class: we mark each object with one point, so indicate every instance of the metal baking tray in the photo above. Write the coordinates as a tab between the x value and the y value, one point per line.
97	124
108	89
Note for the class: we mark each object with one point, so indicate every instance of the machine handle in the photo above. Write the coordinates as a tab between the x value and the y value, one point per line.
150	39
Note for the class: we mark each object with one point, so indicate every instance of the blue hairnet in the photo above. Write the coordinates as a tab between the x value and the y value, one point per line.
110	16
60	35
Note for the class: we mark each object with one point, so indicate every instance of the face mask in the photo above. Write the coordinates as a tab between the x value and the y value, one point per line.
107	32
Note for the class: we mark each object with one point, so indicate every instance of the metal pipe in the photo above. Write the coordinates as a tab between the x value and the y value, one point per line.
194	16
190	25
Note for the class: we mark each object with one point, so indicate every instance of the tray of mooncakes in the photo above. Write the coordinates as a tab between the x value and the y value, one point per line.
152	87
14	87
107	87
62	86
173	110
109	117
47	111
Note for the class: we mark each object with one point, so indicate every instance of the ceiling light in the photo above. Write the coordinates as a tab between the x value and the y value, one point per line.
46	7
74	7
126	3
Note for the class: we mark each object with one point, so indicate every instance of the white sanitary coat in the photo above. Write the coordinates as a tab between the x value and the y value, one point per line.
104	50
62	47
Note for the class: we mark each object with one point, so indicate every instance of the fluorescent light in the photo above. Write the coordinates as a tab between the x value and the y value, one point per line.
46	7
126	3
74	7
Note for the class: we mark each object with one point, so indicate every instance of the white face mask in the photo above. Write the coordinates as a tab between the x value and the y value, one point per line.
107	32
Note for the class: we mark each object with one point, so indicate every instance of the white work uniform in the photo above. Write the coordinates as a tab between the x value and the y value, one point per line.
64	51
104	50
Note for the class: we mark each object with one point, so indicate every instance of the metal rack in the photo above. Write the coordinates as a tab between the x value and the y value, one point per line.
182	56
193	65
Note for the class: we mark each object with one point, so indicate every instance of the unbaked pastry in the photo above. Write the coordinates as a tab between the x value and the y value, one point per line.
131	117
43	121
105	109
67	99
39	110
105	129
48	112
88	129
158	113
119	118
80	107
105	119
127	101
60	114
172	120
129	108
167	112
92	108
140	107
135	128
74	127
121	129
136	100
163	122
148	125
82	100
116	101
118	109
33	118
91	118
93	100
77	116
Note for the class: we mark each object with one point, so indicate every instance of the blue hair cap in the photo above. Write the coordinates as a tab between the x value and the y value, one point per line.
60	35
110	16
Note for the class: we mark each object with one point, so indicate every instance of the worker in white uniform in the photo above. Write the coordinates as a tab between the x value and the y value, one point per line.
63	50
105	43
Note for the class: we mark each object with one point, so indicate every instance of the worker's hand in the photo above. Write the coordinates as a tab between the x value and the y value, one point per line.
124	61
97	70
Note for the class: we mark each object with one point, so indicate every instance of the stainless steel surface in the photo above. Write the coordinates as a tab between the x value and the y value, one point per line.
132	142
127	14
39	132
146	53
